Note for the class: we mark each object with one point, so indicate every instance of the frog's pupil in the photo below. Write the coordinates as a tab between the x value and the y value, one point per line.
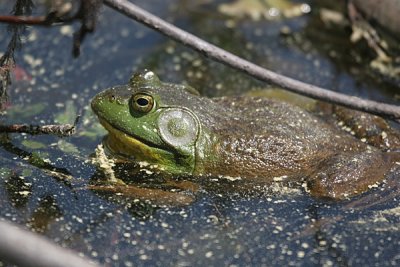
142	102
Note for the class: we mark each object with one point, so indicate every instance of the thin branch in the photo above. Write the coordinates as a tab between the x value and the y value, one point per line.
7	61
87	13
218	54
25	20
57	129
26	249
48	20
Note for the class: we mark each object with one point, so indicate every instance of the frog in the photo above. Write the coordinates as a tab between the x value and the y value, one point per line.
174	128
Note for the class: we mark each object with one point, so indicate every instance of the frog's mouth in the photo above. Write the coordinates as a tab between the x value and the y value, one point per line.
126	145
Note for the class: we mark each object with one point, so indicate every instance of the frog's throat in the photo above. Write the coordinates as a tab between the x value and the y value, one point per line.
126	145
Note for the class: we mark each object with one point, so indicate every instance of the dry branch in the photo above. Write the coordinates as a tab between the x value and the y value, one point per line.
25	20
229	59
57	129
7	60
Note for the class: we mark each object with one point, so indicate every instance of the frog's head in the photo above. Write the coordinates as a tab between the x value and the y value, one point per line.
152	121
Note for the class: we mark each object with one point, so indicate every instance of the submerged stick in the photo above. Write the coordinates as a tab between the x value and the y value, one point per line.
25	20
229	59
26	249
57	129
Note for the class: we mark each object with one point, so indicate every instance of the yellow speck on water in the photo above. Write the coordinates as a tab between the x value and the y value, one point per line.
32	36
24	193
143	257
79	220
67	30
199	75
197	63
177	67
59	72
322	243
272	246
300	254
230	23
32	61
170	49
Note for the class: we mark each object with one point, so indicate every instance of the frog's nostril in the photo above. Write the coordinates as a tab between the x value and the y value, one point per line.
112	98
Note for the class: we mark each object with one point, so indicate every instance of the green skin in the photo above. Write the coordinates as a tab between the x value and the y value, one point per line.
247	137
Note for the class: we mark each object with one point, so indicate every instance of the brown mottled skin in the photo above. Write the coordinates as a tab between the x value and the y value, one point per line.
253	138
265	139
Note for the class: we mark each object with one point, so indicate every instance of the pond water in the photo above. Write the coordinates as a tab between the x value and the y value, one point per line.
44	179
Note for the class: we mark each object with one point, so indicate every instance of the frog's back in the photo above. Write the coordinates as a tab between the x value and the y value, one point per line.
266	138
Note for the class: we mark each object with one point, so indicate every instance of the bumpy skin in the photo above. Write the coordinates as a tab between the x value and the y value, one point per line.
252	138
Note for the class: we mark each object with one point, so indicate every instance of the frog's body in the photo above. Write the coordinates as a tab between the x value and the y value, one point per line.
173	127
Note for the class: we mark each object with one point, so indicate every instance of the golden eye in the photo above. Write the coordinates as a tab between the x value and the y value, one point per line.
142	102
111	98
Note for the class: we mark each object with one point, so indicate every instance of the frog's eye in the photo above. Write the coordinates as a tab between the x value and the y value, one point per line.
178	127
142	102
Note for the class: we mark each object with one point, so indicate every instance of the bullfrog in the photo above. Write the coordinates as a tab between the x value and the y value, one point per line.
172	127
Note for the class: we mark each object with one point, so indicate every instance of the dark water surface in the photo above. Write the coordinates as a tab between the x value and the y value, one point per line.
275	227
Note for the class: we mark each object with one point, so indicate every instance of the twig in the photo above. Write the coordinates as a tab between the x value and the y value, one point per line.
25	20
27	249
87	13
57	129
48	20
7	61
218	54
